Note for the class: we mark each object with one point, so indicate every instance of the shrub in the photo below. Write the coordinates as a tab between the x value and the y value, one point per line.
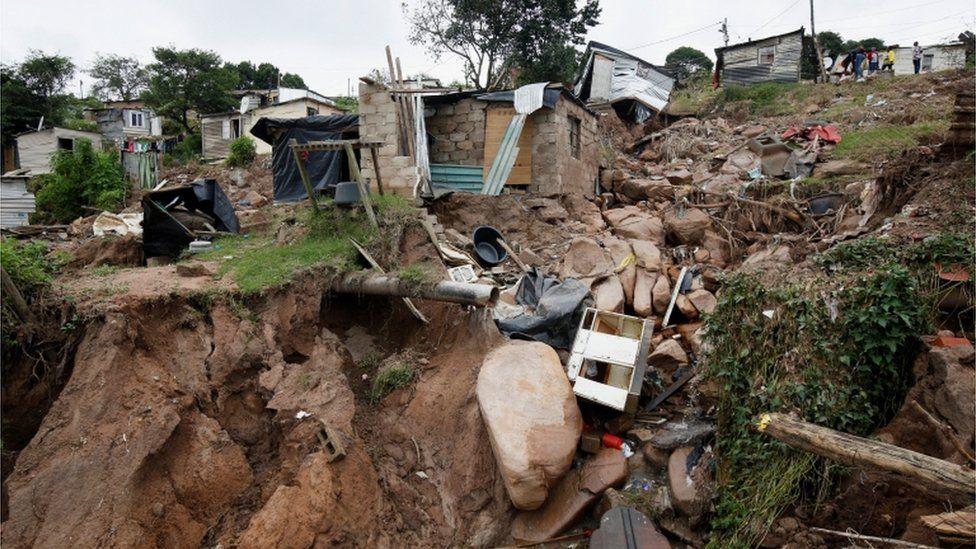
242	152
30	268
189	149
79	178
389	379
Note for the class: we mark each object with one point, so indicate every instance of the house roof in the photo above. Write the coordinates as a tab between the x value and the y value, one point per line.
551	95
313	99
753	42
594	45
48	128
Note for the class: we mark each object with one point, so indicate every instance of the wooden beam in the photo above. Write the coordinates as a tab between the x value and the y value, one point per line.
376	169
363	190
939	476
301	171
876	539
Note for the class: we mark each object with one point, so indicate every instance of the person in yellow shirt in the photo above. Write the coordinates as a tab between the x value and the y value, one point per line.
889	60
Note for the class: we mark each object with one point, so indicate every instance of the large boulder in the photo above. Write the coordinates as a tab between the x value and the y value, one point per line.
648	255
619	250
531	416
668	356
608	295
687	228
643	293
718	248
585	260
632	222
661	294
703	300
575	493
691	483
680	176
773	257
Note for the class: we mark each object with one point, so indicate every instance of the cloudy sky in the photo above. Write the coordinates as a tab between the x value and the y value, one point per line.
330	43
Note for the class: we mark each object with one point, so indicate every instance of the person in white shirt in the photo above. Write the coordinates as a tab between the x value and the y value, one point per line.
917	57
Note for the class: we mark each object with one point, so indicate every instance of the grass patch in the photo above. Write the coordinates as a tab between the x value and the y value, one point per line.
31	269
388	379
418	276
768	98
884	141
837	352
105	270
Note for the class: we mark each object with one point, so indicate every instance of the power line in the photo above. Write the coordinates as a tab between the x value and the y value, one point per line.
777	16
673	37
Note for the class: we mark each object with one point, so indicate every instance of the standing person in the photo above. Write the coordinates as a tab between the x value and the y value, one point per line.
873	61
917	57
889	62
859	63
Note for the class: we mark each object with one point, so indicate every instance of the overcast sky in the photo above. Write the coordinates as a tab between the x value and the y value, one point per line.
331	43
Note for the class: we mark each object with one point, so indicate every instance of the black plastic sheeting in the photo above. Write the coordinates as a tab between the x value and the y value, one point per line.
557	309
324	167
161	235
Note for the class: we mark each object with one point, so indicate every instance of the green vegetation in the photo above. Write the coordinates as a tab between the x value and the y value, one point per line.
82	177
837	357
189	149
418	276
370	361
884	141
768	98
105	270
31	268
686	61
349	104
242	152
319	240
390	378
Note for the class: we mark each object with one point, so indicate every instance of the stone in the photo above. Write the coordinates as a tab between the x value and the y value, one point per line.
675	434
531	416
619	250
668	356
753	130
689	332
648	255
741	162
661	295
688	228
650	155
571	497
775	257
690	481
633	223
192	270
954	398
833	168
718	248
255	199
678	177
643	302
585	260
812	108
701	255
608	295
686	307
656	457
703	300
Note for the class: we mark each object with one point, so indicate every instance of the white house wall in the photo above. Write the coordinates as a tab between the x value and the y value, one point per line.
35	148
943	58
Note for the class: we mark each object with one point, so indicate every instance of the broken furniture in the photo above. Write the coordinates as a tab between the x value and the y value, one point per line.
176	215
608	358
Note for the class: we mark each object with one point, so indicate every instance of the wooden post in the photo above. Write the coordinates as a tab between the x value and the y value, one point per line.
376	168
938	475
358	178
401	125
301	170
16	299
408	114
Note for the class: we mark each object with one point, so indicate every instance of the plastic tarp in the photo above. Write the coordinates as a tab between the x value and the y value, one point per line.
324	167
162	235
555	306
549	97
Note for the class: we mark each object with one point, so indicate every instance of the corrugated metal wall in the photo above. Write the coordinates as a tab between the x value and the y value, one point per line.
742	63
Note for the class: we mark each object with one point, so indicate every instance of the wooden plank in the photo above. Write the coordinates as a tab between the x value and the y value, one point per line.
496	123
293	143
363	190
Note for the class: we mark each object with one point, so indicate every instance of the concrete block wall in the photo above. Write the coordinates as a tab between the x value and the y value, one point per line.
554	170
378	122
458	132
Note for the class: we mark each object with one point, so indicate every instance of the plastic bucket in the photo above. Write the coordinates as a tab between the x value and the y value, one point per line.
346	193
487	249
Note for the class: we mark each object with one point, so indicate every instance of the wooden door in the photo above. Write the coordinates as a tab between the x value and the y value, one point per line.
496	123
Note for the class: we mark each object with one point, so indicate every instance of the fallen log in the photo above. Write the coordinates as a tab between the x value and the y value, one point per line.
16	299
935	474
876	539
480	295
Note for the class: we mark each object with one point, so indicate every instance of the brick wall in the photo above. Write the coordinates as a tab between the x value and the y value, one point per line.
459	133
378	122
554	169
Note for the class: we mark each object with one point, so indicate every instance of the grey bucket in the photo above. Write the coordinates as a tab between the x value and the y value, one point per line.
487	249
346	193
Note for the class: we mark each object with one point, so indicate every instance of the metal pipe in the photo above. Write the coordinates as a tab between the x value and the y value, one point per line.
480	295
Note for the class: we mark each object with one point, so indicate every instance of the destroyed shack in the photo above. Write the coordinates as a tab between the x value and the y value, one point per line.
34	149
772	59
555	152
219	129
613	78
124	121
324	168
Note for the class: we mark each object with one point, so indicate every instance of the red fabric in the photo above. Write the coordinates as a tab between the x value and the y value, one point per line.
828	133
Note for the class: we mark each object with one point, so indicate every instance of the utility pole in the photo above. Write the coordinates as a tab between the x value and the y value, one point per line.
816	46
725	29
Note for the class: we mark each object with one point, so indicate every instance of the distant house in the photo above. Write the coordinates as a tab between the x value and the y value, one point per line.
937	57
633	87
772	59
34	149
122	121
219	129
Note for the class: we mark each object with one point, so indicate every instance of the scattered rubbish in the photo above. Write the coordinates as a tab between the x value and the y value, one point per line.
198	246
611	441
331	443
302	414
768	313
826	133
613	350
422	475
674	296
669	391
463	273
178	214
773	154
553	309
627	528
120	224
591	441
688	432
824	203
487	248
406	300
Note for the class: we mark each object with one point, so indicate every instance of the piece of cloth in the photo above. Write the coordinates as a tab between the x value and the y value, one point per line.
827	134
554	309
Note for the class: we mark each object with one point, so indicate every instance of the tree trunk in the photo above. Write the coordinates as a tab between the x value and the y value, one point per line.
935	474
16	299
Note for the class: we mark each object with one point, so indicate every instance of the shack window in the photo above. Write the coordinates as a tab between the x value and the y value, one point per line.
574	136
135	119
766	55
66	144
312	111
927	60
235	128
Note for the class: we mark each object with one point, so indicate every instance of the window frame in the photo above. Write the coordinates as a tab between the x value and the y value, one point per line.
761	51
575	136
133	114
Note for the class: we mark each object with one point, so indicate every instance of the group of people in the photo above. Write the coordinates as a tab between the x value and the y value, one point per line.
859	59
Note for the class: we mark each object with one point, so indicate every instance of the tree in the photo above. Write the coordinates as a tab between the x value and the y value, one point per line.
117	77
47	76
831	44
493	36
290	80
185	80
263	77
22	108
686	61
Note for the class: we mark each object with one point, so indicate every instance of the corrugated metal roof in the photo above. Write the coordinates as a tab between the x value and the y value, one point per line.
753	42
